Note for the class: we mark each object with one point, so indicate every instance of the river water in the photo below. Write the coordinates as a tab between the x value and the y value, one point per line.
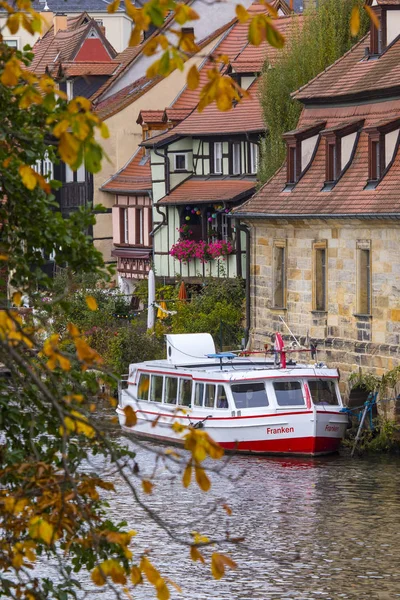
314	528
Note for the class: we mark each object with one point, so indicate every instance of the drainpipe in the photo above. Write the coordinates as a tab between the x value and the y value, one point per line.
166	170
167	190
246	231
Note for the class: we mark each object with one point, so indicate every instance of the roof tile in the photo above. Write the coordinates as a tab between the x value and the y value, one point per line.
202	191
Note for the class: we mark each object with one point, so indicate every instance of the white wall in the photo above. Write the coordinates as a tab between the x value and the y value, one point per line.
307	149
212	16
390	144
348	142
392	25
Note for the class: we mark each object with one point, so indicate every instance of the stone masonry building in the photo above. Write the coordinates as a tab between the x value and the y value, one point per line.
325	229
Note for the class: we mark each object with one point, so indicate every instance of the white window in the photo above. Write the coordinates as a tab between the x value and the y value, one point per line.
44	167
218	157
125	225
13	43
180	162
236	158
81	174
69	174
253	158
224	226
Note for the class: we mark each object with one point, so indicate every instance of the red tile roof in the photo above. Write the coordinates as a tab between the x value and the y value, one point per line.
204	190
177	114
134	177
72	69
52	49
348	197
354	75
245	117
152	116
115	103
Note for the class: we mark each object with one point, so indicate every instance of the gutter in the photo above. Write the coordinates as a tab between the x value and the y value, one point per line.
166	170
393	216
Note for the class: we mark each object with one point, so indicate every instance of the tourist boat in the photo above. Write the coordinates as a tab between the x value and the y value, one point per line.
264	405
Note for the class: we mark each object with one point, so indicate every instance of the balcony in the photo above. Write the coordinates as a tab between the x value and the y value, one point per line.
133	263
72	196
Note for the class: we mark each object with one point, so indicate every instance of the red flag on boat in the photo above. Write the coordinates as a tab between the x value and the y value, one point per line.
278	347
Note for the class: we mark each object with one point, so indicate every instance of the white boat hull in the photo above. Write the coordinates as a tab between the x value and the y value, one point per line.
302	432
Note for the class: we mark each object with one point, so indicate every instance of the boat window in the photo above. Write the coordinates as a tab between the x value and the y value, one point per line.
209	396
198	394
171	390
323	391
156	388
143	386
288	393
185	392
222	400
249	395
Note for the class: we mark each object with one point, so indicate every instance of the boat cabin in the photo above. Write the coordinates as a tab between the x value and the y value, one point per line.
195	377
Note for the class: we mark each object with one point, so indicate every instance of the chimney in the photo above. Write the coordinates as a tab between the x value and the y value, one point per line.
47	21
60	22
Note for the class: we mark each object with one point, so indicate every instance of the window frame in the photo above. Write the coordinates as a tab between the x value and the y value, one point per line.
254	157
123	225
181	379
236	158
156	376
144	375
286	406
180	155
280	245
165	390
320	246
364	247
218	156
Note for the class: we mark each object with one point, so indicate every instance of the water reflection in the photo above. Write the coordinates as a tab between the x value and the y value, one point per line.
323	528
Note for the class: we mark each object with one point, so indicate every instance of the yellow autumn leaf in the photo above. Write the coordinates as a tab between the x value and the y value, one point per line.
162	590
13	23
372	15
196	555
242	14
355	21
184	13
91	303
193	78
104	131
40	529
147	486
218	564
73	330
136	36
130	416
187	475
152	574
202	479
68	148
97	577
113	6
11	72
17	298
28	176
136	575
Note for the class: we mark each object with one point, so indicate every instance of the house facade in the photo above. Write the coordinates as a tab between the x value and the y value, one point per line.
325	229
198	169
117	26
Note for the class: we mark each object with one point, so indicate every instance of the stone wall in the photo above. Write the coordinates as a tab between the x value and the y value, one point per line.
345	339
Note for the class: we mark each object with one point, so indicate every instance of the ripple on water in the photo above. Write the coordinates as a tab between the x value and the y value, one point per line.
318	528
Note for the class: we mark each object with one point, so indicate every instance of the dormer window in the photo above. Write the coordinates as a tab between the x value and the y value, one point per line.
301	147
340	146
388	15
383	140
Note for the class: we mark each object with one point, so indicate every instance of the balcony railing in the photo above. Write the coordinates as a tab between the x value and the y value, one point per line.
72	196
